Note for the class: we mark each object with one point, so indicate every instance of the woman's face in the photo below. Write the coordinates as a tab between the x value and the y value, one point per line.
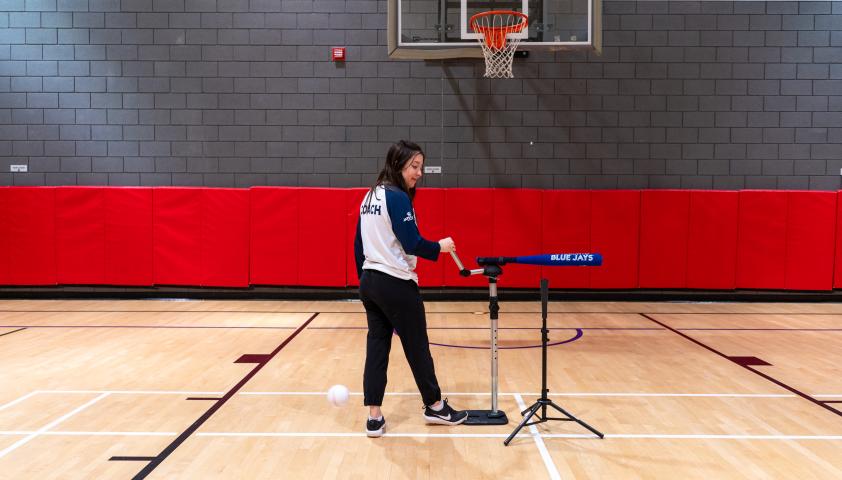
412	170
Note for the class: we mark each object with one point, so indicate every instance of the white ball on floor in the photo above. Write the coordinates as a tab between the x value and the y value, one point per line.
338	395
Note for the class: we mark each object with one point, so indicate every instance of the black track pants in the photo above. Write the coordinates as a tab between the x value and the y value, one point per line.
391	303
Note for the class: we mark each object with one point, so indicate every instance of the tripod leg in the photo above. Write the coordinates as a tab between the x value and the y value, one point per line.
580	422
531	411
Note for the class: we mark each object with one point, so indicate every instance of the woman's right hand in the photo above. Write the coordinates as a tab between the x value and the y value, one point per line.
447	245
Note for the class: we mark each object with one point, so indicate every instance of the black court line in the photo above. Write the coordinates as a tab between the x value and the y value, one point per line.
610	328
153	464
246	327
251	327
748	367
590	312
156	311
262	312
13	331
130	459
765	329
501	328
198	327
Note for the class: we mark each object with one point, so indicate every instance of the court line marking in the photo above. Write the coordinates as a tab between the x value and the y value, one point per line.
172	446
476	312
19	399
539	442
60	433
339	327
133	392
13	331
409	394
777	382
353	434
245	312
618	436
570	394
642	436
174	327
579	334
50	425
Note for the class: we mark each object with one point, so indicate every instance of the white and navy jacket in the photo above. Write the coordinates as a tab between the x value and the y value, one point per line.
387	235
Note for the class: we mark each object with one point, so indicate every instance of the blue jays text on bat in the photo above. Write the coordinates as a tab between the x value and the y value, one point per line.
571	257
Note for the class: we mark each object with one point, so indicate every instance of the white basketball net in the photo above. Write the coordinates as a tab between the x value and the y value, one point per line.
499	40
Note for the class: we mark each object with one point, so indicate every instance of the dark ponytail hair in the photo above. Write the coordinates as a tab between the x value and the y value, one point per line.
396	159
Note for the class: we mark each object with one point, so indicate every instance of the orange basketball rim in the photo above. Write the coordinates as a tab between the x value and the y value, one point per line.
494	25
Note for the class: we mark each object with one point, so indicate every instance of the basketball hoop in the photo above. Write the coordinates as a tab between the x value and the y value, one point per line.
498	46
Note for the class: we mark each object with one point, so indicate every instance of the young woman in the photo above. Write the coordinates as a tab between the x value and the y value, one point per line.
386	246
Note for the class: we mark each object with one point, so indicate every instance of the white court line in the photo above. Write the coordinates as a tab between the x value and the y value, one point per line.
135	392
572	394
539	442
350	434
468	394
573	436
641	394
454	394
359	394
61	433
50	425
698	436
15	402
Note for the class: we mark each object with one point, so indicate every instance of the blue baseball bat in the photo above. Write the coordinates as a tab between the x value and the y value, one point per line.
550	260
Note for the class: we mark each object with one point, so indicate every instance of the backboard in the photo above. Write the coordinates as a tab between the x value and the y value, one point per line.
439	26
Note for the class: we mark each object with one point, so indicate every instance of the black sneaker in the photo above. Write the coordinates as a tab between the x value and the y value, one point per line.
374	428
445	416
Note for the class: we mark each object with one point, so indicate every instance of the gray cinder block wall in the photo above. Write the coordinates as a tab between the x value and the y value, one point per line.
235	93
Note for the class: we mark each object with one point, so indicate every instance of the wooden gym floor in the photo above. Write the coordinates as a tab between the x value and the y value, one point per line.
236	389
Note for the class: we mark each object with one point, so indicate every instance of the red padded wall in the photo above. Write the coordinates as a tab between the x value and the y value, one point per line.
128	236
468	219
225	237
322	241
615	222
517	232
837	271
809	240
663	238
712	240
566	228
274	236
4	237
354	198
429	214
287	236
29	235
80	235
761	244
177	241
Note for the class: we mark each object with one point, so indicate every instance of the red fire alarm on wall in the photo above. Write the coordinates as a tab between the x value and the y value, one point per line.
337	54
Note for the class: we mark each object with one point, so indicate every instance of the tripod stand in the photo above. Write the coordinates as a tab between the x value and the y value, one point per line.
544	402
